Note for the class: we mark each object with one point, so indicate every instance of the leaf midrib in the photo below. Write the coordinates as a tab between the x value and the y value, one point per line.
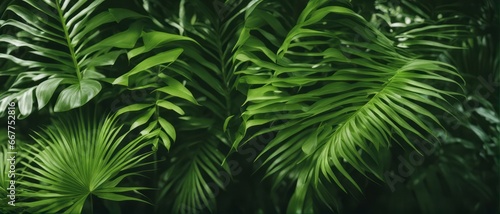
375	97
68	41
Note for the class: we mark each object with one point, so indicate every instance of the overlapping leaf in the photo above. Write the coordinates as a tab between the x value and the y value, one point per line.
154	73
76	159
334	103
65	49
195	177
209	70
422	28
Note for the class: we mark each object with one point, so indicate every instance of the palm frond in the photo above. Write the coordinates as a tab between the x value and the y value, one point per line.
156	74
194	179
215	25
207	66
77	159
333	102
421	28
59	43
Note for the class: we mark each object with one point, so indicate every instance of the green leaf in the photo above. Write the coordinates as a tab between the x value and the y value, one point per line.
133	107
142	119
177	89
77	95
158	59
168	127
65	42
169	106
121	13
165	140
226	122
126	39
311	144
116	197
155	39
25	102
95	158
45	90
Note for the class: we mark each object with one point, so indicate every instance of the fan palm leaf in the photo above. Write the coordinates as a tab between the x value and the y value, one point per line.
76	159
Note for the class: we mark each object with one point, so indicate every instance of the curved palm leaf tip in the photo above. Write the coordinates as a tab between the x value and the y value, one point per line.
75	159
65	47
331	101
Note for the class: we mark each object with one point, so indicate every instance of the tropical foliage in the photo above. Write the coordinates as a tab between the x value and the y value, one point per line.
74	160
251	106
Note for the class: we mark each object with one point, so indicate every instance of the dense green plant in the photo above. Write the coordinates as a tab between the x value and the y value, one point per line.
346	98
221	35
152	74
65	47
209	71
342	96
77	158
465	162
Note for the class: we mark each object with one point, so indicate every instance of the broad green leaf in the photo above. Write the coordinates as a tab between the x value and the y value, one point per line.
155	38
169	106
126	39
143	119
158	59
177	89
133	107
121	13
25	102
77	95
168	127
45	90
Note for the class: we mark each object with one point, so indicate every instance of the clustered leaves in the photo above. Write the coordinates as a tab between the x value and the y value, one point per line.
80	158
352	97
337	92
63	50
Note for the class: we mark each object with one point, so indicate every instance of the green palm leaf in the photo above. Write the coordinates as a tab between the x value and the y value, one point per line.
207	66
76	159
194	178
156	73
422	28
65	48
334	103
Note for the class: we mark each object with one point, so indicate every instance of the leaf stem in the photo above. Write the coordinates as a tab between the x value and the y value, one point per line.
68	41
91	204
226	78
157	115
